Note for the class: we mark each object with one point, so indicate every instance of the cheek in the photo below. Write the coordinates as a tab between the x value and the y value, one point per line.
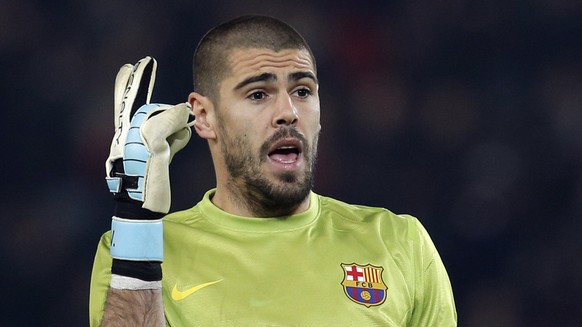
242	140
312	122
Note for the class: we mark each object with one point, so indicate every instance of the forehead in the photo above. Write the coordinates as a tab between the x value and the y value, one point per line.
245	62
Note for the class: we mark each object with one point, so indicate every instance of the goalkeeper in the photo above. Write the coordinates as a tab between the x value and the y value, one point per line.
261	248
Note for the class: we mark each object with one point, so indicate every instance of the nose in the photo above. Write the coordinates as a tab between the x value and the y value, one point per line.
286	114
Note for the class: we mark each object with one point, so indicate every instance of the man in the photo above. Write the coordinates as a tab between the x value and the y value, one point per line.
261	248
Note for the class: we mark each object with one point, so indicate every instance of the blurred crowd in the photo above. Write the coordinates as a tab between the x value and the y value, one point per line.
466	114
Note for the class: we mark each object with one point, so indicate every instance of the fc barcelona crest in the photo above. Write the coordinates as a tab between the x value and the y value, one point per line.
364	284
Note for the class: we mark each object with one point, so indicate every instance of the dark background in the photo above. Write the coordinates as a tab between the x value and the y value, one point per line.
466	114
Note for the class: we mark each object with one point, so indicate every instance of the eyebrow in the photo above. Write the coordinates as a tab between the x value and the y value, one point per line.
265	77
299	75
270	77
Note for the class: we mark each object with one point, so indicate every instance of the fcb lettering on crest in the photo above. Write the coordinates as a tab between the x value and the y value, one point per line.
363	284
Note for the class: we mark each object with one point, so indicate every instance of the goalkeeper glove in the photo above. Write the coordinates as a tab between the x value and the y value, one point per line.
146	138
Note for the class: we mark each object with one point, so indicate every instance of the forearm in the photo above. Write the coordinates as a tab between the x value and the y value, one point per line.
134	297
134	308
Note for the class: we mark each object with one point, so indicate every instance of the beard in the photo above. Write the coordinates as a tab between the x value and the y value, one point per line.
264	196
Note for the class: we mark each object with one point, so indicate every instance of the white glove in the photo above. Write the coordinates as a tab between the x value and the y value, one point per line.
146	138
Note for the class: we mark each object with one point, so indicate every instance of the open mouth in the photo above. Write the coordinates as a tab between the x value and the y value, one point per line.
286	151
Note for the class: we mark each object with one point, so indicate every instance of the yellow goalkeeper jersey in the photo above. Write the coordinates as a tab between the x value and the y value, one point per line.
335	264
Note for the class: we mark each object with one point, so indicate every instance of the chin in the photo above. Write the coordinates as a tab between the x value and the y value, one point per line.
287	178
277	192
290	189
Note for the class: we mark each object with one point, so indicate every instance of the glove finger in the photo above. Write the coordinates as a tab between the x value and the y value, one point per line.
121	81
120	85
144	79
139	87
160	125
178	141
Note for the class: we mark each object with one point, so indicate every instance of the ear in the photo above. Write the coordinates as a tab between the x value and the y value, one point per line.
203	111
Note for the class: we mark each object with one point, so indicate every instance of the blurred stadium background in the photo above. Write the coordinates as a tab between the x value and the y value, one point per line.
466	114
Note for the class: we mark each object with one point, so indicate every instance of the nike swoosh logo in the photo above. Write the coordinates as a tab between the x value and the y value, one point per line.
180	295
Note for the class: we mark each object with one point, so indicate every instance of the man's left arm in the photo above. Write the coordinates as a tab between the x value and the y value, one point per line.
434	303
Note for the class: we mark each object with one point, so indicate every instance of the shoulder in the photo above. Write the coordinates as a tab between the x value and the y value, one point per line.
361	213
362	216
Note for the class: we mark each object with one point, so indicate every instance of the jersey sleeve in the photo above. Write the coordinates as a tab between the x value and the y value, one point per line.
434	304
100	279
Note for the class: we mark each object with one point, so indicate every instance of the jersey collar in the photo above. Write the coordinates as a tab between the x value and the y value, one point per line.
259	225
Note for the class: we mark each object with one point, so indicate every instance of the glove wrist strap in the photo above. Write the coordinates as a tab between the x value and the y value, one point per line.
137	240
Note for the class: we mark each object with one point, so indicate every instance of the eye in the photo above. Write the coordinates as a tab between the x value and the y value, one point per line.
257	96
303	92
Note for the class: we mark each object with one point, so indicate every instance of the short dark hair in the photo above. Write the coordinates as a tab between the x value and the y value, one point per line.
210	64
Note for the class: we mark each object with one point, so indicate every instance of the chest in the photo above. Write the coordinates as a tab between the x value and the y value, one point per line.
311	278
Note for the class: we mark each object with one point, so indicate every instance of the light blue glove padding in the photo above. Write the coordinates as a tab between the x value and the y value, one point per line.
137	240
135	154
